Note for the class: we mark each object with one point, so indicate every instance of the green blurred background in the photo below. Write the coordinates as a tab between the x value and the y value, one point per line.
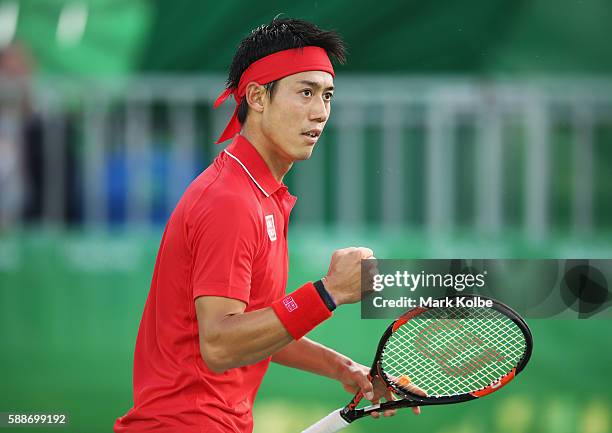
475	130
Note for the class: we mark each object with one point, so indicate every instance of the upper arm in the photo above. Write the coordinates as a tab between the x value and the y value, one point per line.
211	310
223	235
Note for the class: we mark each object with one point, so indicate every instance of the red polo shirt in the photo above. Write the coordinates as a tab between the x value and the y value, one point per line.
226	237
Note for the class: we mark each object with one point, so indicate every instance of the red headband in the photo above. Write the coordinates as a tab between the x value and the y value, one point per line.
271	68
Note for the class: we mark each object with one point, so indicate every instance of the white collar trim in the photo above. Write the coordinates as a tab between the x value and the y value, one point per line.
249	173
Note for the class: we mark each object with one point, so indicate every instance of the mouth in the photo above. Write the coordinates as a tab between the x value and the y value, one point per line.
312	134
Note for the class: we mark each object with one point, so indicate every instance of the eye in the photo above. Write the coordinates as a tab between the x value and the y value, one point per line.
307	92
328	96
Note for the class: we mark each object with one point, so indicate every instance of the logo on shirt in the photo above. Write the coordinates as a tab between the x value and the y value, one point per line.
270	227
290	304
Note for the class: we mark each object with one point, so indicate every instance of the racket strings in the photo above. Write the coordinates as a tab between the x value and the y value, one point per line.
445	378
447	382
447	352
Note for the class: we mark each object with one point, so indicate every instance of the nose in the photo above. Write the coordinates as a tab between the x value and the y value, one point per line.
319	110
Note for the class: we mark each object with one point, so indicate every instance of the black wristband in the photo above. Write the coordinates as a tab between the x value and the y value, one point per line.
325	296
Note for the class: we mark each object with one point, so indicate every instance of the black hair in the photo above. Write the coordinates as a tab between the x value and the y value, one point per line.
280	34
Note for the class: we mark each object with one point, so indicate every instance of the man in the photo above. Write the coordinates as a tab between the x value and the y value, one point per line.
217	313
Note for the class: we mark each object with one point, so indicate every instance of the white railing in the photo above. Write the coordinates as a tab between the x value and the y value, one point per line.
362	172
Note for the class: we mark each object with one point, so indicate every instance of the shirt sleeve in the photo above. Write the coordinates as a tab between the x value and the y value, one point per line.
224	242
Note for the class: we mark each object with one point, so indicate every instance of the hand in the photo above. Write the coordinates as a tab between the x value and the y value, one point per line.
354	378
343	279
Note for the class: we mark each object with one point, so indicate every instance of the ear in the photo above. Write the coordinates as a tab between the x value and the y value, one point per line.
255	95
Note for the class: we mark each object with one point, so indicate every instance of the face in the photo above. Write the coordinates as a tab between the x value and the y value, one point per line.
294	118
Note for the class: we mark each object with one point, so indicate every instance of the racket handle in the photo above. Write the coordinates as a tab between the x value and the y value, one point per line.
330	424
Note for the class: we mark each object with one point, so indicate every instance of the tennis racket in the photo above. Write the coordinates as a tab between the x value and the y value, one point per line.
453	353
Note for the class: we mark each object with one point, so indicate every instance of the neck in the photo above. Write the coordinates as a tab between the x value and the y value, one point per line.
278	164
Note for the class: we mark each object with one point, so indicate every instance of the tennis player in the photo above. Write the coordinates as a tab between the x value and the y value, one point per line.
217	312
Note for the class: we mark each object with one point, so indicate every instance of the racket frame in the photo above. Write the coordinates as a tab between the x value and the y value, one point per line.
351	413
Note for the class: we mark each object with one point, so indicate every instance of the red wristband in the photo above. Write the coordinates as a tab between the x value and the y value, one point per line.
301	311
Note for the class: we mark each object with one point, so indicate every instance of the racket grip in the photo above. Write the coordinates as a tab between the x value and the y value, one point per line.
330	424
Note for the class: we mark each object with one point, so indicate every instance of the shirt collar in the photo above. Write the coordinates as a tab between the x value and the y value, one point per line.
243	152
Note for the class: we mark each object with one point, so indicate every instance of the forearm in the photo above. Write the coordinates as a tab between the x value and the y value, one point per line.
231	338
307	355
242	339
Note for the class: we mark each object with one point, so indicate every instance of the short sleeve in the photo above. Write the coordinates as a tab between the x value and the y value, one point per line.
224	236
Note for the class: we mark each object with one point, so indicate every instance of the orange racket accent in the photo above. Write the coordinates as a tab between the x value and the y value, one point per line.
356	400
406	317
495	386
404	380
